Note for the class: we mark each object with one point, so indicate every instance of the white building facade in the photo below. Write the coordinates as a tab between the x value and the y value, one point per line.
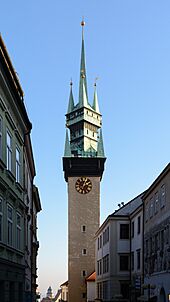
113	252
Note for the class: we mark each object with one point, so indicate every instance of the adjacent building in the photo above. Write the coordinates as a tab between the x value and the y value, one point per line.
157	238
91	287
83	165
136	251
17	199
64	291
119	253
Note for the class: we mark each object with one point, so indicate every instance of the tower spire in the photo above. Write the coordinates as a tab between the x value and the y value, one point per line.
82	67
95	100
67	149
71	100
100	147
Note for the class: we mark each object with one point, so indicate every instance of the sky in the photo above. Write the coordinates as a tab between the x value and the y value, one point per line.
127	46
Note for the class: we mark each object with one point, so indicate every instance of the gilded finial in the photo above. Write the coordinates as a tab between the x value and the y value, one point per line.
71	82
82	22
95	81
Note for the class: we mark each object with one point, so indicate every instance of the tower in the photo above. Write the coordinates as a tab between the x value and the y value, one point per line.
83	165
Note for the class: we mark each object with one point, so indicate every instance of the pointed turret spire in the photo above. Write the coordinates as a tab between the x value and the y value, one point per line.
95	100
83	102
71	100
100	147
82	66
67	149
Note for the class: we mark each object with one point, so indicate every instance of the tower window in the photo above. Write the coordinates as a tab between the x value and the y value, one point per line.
93	134
83	228
84	273
84	252
87	131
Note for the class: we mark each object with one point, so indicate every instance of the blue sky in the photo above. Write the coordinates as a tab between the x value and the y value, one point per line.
127	44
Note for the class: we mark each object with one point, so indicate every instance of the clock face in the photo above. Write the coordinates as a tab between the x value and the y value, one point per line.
83	185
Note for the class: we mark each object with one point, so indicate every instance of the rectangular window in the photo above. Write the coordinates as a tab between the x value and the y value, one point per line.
10	224
18	165
99	290
147	247
18	241
105	290
150	246
138	258
132	261
151	208
83	228
156	203
124	231
167	234
162	240
84	252
100	241
162	196
156	242
1	217
99	267
106	236
83	295
0	137
9	151
106	264
132	229
139	224
124	262
146	212
84	273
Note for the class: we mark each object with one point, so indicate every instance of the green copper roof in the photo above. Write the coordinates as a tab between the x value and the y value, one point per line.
83	102
95	101
100	147
67	150
82	68
71	100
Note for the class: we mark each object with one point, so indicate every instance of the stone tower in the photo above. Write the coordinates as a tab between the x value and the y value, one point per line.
83	165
